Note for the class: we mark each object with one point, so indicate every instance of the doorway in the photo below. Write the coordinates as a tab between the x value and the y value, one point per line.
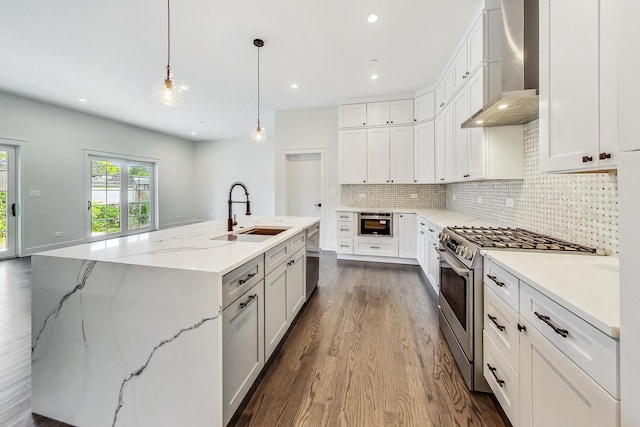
304	189
8	202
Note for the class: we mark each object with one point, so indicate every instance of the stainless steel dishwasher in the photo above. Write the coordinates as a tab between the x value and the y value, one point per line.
313	258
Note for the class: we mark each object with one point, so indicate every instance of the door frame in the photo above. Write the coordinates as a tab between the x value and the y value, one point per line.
323	175
20	219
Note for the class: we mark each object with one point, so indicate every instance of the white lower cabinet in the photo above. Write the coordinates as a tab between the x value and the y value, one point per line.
502	378
243	347
296	284
555	392
407	235
433	263
376	246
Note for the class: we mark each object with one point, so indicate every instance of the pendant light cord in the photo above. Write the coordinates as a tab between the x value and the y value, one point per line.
258	86
168	39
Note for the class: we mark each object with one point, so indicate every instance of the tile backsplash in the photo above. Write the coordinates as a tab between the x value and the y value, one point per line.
394	196
581	208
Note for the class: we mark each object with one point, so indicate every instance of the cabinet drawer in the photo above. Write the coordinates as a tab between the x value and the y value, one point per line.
345	216
501	324
276	256
502	379
433	231
236	282
345	229
297	242
502	282
589	348
380	247
345	246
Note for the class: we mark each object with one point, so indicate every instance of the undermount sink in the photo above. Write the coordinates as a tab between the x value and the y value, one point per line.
253	234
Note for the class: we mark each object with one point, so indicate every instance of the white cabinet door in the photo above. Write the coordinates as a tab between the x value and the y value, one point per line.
439	97
421	237
378	156
460	70
402	157
449	143
407	235
242	346
475	46
439	151
276	321
353	156
569	84
554	392
476	150
423	107
628	72
424	151
353	115
401	112
449	84
433	263
461	136
378	113
295	284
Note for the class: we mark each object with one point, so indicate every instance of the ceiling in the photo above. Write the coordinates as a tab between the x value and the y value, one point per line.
111	53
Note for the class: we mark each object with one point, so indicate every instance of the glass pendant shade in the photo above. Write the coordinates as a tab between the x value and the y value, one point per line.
259	135
167	93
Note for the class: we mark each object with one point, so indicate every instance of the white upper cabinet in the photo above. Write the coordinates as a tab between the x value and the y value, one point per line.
390	113
378	156
460	69
423	107
628	72
352	116
475	46
578	91
461	136
449	144
353	156
439	97
424	151
402	156
439	150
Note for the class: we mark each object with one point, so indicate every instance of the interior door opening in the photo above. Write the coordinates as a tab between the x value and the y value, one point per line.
304	184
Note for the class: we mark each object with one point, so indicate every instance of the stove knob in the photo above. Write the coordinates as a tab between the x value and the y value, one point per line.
469	255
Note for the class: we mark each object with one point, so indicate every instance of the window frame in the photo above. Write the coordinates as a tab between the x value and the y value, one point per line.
126	160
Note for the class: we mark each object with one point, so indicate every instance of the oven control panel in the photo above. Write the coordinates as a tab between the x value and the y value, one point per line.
462	249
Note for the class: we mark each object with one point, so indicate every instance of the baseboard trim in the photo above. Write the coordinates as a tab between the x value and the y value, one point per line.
386	259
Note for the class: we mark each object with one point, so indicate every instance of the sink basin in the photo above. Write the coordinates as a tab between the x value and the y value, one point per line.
253	234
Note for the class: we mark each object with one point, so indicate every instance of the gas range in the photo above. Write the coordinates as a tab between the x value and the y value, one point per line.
466	242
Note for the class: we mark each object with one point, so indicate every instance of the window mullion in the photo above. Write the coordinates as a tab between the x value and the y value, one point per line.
124	197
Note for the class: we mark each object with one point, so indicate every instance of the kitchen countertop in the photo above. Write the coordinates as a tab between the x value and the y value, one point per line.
439	217
586	285
189	247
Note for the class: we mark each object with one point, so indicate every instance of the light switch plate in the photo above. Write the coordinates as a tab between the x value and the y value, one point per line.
509	203
413	196
362	195
455	197
34	193
479	199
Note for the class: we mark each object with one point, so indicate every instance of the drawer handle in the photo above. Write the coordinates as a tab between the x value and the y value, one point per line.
375	247
494	319
422	223
493	372
344	229
344	246
251	298
521	327
249	276
546	319
430	230
496	281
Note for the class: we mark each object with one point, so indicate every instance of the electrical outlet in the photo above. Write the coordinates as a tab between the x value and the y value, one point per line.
509	203
479	199
413	196
34	193
332	193
362	195
58	234
178	216
455	197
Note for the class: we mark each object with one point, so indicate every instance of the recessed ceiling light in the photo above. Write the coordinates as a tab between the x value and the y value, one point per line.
193	133
82	100
184	87
502	106
372	18
374	76
479	122
294	86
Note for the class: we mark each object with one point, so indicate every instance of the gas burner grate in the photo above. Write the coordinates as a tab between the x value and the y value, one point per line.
517	238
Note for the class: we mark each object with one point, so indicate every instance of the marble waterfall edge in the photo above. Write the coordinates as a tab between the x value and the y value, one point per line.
125	345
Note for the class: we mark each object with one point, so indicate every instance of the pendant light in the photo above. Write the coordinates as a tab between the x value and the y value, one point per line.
166	92
259	135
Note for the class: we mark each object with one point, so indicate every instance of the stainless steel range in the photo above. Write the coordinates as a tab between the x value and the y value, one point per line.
461	292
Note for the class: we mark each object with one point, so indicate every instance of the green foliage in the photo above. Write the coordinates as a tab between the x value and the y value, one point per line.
3	215
105	218
138	171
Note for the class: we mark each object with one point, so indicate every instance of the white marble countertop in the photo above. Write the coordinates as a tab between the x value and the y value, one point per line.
189	247
586	285
439	217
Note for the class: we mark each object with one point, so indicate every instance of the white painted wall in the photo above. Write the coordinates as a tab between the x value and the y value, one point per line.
314	128
53	162
218	164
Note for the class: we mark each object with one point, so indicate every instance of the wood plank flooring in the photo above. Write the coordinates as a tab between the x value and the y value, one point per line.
365	351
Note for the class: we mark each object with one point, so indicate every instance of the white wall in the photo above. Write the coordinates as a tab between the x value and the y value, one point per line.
53	162
218	164
314	128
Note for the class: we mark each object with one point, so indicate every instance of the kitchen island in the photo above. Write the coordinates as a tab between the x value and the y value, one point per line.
129	331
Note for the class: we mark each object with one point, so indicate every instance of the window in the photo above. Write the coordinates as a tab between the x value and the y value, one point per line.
122	195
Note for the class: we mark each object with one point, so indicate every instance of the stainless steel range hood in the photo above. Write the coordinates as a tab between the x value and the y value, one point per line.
518	100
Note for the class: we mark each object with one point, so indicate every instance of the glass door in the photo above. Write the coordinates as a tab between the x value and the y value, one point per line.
8	204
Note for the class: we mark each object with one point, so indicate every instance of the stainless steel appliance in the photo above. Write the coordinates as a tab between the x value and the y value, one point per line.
375	224
461	296
313	258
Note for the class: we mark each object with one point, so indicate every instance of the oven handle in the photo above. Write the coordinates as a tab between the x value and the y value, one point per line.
449	260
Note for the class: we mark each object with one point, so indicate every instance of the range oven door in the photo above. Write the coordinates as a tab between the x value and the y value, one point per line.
456	300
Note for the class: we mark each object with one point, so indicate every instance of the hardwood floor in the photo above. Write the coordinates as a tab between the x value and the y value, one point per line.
365	351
